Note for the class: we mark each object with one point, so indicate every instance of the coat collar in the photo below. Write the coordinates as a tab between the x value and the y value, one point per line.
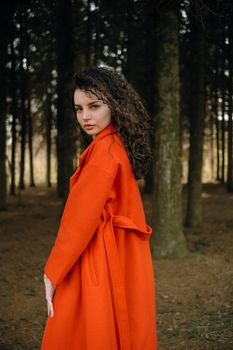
109	129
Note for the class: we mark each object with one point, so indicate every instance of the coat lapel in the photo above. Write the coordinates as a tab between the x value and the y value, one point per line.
109	129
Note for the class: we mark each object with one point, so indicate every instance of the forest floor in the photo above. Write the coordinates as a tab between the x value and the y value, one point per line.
194	295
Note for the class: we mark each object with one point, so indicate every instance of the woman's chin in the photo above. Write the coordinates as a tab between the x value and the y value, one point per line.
91	132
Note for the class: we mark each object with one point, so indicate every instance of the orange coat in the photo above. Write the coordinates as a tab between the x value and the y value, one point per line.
101	261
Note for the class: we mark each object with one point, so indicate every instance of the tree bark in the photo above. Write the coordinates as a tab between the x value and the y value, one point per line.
168	238
3	60
97	38
66	125
216	111
23	98
194	216
212	124
48	138
129	32
150	57
88	35
230	126
223	104
30	131
14	118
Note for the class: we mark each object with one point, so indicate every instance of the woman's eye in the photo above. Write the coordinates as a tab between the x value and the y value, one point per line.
94	106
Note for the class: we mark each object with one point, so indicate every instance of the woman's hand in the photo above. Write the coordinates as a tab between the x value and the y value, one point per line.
49	292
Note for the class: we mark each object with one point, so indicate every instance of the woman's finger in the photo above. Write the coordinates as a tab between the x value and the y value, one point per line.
50	307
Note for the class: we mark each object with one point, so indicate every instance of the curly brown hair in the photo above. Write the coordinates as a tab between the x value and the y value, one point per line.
129	116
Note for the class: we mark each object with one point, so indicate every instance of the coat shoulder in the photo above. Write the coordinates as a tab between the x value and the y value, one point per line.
109	153
109	149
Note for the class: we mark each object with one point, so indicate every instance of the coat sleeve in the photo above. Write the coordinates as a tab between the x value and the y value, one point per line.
80	219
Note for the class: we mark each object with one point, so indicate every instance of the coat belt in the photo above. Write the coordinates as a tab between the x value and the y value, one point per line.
116	277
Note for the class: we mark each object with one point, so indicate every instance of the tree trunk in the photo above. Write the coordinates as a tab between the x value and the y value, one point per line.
23	98
150	57
97	38
66	125
216	111
48	138
223	105
168	238
30	132
88	35
194	217
230	82
128	71
218	146
14	116
3	60
212	120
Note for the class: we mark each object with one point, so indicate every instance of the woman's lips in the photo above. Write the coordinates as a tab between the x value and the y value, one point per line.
88	126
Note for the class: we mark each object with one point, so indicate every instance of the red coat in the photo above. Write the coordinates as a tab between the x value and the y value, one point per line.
101	261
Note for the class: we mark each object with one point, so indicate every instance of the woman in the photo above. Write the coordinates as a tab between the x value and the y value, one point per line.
99	280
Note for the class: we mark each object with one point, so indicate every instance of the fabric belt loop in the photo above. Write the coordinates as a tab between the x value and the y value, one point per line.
117	286
116	278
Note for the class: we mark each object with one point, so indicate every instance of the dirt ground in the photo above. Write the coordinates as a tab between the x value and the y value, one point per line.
194	295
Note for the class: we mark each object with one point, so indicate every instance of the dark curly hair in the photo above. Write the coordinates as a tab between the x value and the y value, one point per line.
129	116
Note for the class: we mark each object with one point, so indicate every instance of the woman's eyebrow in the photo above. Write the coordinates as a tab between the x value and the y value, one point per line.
90	103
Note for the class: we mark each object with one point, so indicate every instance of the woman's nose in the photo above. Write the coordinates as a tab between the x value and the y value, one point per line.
86	115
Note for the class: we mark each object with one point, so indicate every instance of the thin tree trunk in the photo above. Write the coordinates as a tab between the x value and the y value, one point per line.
212	119
3	60
88	36
149	74
30	134
14	116
48	139
29	115
230	82
194	217
223	105
129	38
216	112
66	125
218	147
223	135
168	238
23	100
97	39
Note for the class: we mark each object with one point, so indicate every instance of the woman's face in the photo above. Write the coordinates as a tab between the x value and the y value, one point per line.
92	114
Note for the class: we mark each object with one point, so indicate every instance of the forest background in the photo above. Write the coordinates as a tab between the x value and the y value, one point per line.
178	55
